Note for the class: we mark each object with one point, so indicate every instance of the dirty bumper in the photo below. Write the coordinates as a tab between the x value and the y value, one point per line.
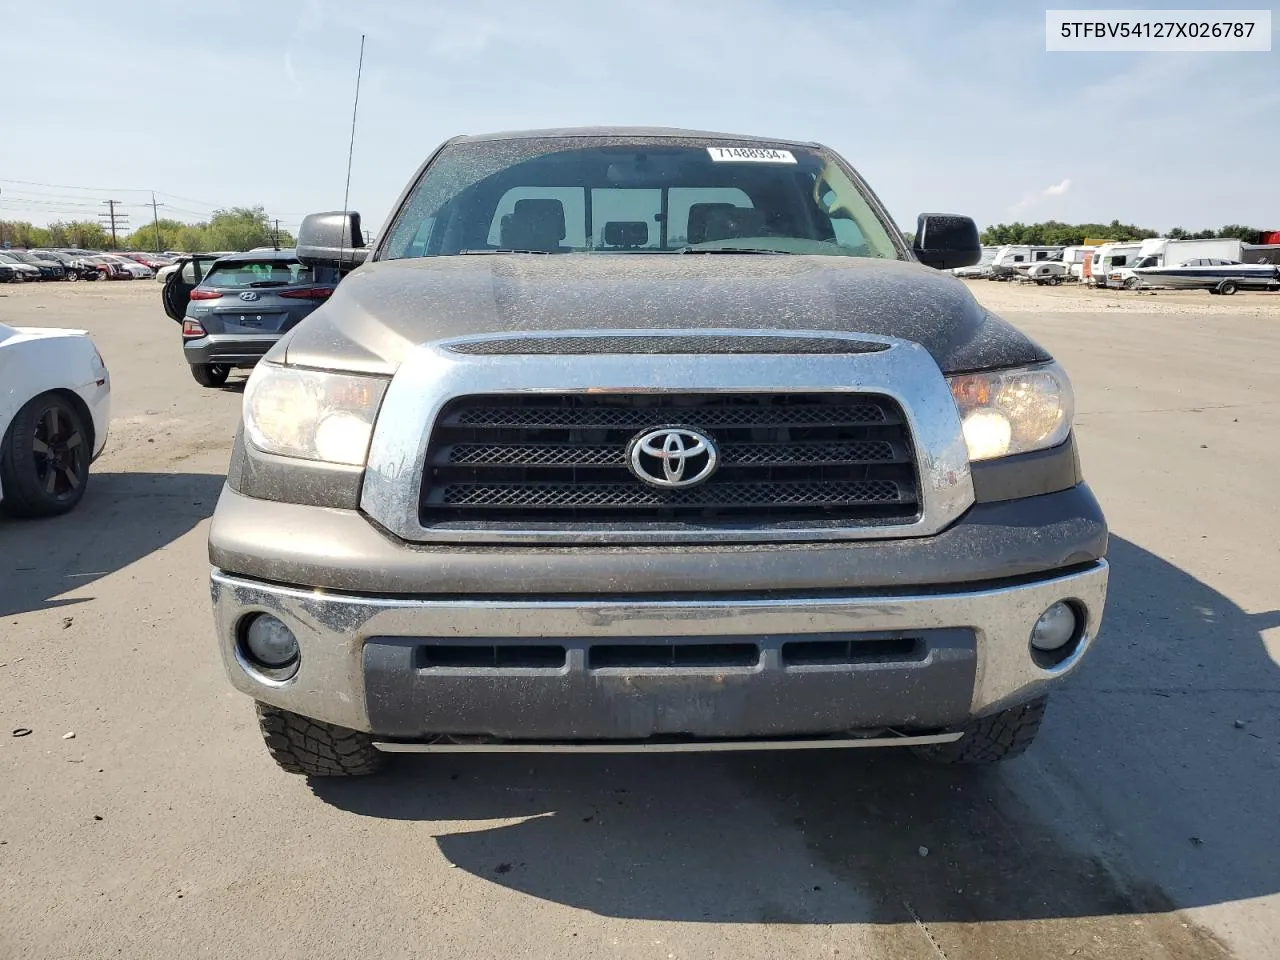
604	669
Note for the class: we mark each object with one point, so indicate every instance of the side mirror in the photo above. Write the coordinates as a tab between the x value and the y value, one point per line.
332	240
945	241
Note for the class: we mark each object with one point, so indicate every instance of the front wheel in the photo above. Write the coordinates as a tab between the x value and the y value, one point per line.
1133	283
1228	287
1001	736
210	374
44	458
314	748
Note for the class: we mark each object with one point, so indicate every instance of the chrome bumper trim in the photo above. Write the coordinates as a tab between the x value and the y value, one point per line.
707	746
433	374
332	629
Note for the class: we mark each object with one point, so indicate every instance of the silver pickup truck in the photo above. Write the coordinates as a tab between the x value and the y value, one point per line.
649	439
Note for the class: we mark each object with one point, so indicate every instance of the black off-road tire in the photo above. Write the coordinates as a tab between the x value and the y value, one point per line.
314	748
1001	736
210	374
25	473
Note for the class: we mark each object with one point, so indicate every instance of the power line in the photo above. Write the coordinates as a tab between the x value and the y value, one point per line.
142	203
68	186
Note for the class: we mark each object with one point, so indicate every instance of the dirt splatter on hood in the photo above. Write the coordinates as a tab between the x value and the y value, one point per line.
384	309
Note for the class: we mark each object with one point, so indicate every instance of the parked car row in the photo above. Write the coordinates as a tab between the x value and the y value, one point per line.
76	264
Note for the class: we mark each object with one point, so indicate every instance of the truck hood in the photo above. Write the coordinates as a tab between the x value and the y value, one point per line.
384	309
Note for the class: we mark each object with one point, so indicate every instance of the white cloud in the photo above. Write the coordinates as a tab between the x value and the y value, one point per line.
1032	199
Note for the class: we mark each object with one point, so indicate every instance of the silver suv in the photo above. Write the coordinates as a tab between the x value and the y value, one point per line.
235	308
631	439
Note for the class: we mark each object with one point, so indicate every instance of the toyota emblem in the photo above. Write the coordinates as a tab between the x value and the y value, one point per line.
249	295
672	457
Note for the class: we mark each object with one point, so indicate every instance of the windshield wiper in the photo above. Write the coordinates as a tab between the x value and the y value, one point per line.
470	252
732	250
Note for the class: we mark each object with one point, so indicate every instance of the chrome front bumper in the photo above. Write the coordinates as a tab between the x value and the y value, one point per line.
359	668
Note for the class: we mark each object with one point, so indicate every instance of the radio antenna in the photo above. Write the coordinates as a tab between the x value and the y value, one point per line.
346	193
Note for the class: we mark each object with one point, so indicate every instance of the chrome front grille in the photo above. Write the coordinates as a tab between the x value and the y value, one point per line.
562	459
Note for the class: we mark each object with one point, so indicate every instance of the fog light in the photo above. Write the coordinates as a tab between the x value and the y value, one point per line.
270	643
1055	628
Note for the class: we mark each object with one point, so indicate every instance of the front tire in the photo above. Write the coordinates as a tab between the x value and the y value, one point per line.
44	458
1228	287
1133	283
210	374
1001	736
314	748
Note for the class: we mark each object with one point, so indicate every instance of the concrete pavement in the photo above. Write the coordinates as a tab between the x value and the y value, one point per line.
1140	825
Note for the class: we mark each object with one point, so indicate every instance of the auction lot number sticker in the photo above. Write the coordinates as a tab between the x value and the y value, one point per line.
750	155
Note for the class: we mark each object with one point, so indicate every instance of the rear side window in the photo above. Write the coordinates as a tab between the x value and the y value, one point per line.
262	273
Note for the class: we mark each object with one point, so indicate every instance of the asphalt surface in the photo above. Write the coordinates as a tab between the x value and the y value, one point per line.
1142	824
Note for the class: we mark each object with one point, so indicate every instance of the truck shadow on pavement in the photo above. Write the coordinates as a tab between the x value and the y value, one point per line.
1147	792
122	518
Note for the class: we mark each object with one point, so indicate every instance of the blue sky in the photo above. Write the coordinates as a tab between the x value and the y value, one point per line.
950	106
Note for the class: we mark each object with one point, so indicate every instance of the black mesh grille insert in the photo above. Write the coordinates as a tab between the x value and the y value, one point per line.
514	459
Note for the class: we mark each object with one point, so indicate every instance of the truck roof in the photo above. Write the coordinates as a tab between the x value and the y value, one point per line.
624	133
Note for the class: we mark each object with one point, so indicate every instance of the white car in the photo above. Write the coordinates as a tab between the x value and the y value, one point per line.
138	271
55	408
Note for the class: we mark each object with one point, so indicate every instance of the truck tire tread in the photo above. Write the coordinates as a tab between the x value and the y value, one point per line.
314	748
1001	736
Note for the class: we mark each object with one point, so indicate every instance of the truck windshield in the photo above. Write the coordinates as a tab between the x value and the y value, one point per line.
652	196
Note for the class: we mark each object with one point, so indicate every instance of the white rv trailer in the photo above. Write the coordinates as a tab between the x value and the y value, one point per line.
1005	264
1074	257
1108	258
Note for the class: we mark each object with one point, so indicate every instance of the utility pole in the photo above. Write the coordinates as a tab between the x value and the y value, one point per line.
111	219
155	219
276	233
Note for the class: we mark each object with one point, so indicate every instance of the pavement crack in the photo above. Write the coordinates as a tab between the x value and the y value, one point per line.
925	931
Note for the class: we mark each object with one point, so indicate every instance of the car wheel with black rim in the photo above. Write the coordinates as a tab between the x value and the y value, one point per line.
210	374
44	458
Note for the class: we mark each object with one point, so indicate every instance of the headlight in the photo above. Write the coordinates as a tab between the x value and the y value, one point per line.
311	415
1005	412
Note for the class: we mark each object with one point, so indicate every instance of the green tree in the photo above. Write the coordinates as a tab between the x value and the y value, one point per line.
86	234
144	238
20	233
192	238
1239	232
238	228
